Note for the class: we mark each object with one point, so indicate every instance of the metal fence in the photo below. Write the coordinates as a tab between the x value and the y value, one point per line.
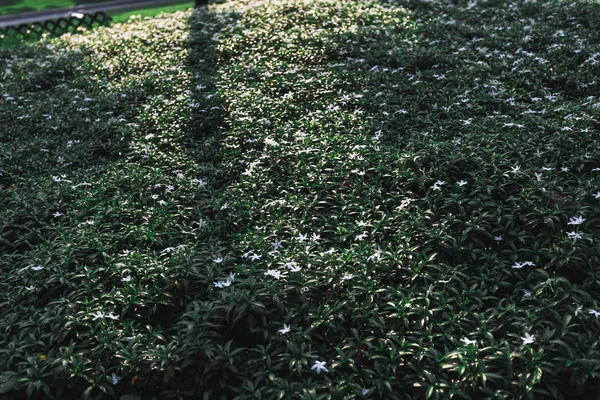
57	26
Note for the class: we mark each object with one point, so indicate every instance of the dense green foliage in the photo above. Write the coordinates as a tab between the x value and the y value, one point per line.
307	200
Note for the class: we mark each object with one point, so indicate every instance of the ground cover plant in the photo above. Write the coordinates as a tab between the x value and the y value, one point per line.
307	200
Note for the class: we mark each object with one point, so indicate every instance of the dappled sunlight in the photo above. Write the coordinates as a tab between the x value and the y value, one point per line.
281	199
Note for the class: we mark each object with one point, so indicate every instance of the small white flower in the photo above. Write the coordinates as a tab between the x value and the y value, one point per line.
97	315
365	391
515	169
23	269
461	183
574	236
319	366
162	203
157	185
224	206
255	257
292	266
154	196
115	379
36	267
538	176
429	291
112	316
374	257
361	237
200	182
223	284
596	195
498	238
128	278
526	293
594	312
201	223
218	260
57	214
578	310
564	169
274	273
467	341
301	238
576	220
527	339
315	238
436	187
284	330
29	288
277	244
347	277
523	264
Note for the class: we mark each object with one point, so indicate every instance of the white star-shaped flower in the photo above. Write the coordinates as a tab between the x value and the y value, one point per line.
467	341
128	278
594	313
29	288
576	220
255	257
574	235
36	267
292	266
301	237
201	223
97	315
319	366
461	183
57	214
347	277
528	339
218	260
274	273
523	264
498	238
284	330
112	316
277	244
578	310
596	195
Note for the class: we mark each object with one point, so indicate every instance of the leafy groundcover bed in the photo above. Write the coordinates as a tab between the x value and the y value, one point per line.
305	200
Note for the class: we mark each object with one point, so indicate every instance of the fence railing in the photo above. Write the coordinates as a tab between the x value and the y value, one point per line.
57	26
61	20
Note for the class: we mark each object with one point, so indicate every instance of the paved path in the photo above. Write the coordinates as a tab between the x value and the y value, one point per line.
119	5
